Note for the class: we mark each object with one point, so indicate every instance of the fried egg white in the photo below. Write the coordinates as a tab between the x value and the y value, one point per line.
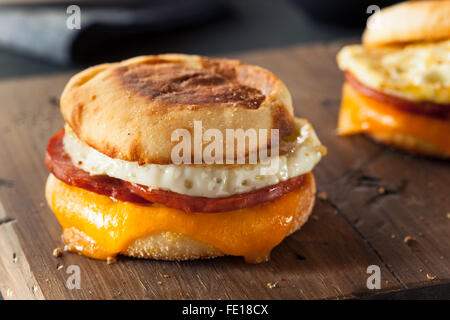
417	72
212	181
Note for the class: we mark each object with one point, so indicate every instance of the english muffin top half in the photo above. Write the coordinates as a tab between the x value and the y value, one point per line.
408	22
129	110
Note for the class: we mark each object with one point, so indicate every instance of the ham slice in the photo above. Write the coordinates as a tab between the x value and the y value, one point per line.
426	108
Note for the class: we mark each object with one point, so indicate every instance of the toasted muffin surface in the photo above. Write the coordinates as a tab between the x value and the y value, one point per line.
410	143
409	21
129	110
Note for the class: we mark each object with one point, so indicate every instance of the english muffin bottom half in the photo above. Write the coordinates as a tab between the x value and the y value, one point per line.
114	186
397	83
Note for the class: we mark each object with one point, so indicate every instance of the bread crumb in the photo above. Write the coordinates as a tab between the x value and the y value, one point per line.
430	277
159	283
41	205
272	285
322	195
14	257
381	190
59	266
111	260
57	252
166	276
409	239
420	270
448	215
314	217
393	236
441	257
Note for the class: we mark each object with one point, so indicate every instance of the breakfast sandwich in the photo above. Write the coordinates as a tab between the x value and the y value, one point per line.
397	83
155	160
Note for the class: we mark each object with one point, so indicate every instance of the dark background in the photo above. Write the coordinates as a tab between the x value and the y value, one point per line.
243	25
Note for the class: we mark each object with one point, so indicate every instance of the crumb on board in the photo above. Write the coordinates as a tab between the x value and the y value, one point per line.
448	215
322	195
159	283
393	236
57	252
409	239
59	266
420	270
14	257
314	217
111	260
166	276
381	190
430	277
272	285
41	204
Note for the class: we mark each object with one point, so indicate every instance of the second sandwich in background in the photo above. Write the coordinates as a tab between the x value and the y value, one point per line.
397	83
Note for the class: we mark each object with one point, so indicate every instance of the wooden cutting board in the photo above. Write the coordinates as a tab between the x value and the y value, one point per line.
376	197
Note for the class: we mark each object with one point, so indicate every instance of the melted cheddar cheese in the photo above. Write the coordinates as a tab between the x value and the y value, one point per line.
360	113
100	227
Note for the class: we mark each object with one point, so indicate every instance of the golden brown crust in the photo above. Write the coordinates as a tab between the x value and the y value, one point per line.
172	246
412	21
170	84
128	110
409	143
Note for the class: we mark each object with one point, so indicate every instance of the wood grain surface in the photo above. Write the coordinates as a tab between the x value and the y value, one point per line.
376	197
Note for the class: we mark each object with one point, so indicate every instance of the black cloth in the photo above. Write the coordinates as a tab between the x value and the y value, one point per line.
41	30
